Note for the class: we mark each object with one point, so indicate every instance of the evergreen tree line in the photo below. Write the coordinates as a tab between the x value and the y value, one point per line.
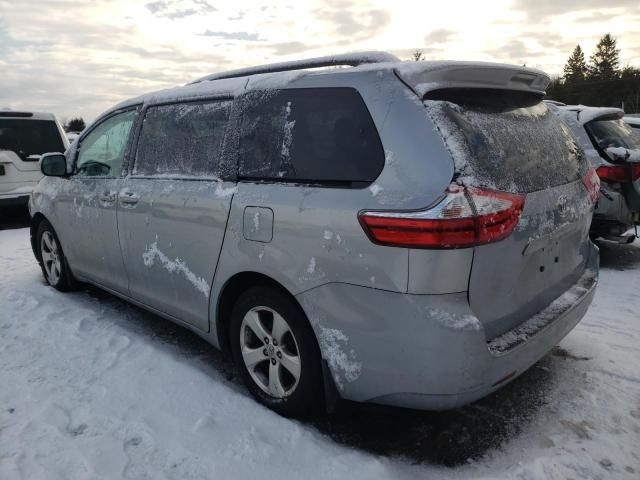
601	82
74	125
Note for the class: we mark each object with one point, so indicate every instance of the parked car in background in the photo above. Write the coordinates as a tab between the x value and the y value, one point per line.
613	149
71	136
403	233
633	122
24	137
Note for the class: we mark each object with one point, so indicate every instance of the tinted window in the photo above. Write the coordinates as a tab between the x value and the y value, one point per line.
182	139
613	134
507	141
102	151
30	137
316	135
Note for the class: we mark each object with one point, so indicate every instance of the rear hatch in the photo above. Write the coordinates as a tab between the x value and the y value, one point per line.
503	138
510	142
618	144
22	141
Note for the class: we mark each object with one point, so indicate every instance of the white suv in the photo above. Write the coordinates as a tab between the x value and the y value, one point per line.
24	137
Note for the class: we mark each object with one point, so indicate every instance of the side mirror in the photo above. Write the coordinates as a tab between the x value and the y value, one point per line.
53	165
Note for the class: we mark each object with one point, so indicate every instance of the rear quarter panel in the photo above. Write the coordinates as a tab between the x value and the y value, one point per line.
317	238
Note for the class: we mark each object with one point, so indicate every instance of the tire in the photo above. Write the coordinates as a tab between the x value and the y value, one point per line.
53	262
269	369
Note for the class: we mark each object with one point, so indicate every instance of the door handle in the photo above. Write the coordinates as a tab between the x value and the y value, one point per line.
107	197
129	198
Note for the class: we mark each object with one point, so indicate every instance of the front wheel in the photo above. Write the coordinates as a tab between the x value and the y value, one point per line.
52	260
274	347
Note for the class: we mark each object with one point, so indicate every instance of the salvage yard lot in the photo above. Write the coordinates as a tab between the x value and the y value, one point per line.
94	388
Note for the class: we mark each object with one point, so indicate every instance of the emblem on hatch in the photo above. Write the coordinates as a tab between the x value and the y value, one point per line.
562	205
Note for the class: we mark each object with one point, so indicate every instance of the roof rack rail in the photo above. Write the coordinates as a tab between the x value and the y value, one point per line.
347	59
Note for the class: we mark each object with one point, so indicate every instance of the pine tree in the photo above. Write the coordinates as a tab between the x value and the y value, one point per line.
75	125
575	69
605	62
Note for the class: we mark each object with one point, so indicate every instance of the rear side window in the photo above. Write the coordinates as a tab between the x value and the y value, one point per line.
310	135
30	137
505	140
182	139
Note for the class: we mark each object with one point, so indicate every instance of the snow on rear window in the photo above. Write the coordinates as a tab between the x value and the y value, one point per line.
509	144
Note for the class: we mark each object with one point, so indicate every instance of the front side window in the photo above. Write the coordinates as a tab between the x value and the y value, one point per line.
101	152
183	139
309	135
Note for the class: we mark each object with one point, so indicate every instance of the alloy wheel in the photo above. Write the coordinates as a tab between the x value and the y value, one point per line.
51	260
270	351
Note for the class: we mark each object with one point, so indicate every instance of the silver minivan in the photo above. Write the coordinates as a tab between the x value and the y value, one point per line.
404	233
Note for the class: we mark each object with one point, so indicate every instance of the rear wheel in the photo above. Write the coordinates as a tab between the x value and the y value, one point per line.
52	260
276	352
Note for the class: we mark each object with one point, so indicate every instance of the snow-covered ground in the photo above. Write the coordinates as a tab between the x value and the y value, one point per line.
93	388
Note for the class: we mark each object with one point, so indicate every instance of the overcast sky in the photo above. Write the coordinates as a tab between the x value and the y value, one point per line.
79	57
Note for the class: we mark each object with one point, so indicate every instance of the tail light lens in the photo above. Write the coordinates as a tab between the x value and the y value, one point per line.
591	182
464	218
628	172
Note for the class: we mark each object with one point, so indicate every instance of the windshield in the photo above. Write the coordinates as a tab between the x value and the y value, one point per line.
611	135
30	137
505	140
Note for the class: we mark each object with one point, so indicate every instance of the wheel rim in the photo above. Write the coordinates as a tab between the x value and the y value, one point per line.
270	351
51	260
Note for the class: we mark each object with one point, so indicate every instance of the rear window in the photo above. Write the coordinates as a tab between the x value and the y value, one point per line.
311	135
30	137
508	141
612	134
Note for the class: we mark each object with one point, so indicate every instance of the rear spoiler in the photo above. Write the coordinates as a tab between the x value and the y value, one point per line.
425	77
584	114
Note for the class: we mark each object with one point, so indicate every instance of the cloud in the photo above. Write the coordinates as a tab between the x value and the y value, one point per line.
441	35
173	9
353	22
546	8
289	48
244	36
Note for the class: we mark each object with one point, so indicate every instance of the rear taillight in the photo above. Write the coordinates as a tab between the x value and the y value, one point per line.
591	182
629	172
464	218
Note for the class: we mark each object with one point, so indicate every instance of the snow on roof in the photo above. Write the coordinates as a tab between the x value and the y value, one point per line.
424	76
352	59
632	120
587	114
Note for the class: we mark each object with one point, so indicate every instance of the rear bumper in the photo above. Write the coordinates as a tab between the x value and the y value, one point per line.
16	197
430	351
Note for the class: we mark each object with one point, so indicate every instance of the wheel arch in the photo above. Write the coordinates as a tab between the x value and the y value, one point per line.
36	220
229	293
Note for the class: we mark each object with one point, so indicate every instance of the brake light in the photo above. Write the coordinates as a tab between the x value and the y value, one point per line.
591	182
464	218
629	172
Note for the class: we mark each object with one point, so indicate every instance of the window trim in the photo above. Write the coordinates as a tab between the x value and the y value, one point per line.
127	151
199	100
342	184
